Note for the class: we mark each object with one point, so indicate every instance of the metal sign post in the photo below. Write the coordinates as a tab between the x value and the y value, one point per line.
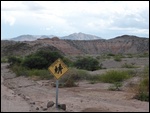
58	69
57	84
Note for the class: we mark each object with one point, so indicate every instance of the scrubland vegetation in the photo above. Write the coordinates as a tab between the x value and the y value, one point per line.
36	65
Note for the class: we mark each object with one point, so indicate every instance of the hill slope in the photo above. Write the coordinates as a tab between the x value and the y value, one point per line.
122	44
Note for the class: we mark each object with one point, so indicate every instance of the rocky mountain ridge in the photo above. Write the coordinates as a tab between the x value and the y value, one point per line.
125	44
74	36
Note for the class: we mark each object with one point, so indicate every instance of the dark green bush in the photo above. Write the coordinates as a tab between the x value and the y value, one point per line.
41	59
87	63
14	60
143	90
111	54
143	96
48	56
35	62
68	62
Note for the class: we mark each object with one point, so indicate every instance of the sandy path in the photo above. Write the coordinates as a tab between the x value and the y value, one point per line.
86	97
10	102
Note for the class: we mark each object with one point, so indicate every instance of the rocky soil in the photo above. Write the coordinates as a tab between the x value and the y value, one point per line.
24	94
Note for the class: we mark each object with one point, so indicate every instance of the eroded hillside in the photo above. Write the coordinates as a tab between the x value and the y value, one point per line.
123	44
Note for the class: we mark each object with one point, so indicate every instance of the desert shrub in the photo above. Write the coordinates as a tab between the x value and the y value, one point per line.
94	79
4	60
14	60
113	76
143	96
105	56
41	59
19	70
110	54
72	76
130	55
68	62
145	54
146	71
98	57
87	63
143	87
143	90
50	57
125	65
117	58
35	62
40	73
115	87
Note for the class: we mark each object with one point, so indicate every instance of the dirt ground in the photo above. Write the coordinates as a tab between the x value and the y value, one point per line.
24	94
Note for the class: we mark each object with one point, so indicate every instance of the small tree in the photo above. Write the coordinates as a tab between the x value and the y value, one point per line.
88	63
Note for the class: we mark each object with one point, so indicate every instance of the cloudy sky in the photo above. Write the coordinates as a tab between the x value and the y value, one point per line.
106	19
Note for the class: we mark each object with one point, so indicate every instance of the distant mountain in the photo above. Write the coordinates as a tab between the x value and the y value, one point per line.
125	44
81	36
31	37
74	36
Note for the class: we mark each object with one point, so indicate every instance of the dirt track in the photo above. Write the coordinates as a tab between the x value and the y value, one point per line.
23	94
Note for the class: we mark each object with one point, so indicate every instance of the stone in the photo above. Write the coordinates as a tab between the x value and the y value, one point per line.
37	108
62	106
27	98
50	104
32	103
44	109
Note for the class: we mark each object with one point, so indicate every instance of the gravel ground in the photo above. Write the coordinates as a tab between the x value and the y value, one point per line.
24	94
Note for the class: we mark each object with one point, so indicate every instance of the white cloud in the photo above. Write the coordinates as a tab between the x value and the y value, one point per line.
77	16
8	19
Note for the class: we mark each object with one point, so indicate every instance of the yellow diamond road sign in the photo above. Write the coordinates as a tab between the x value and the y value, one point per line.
58	68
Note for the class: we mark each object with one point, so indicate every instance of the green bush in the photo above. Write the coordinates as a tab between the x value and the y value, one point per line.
117	58
40	73
146	54
68	62
4	60
73	75
87	63
14	60
50	57
34	62
114	76
115	87
19	70
125	65
41	59
143	96
143	87
146	71
130	55
143	90
110	54
94	79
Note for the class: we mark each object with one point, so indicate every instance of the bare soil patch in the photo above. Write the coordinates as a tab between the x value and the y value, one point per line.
24	94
